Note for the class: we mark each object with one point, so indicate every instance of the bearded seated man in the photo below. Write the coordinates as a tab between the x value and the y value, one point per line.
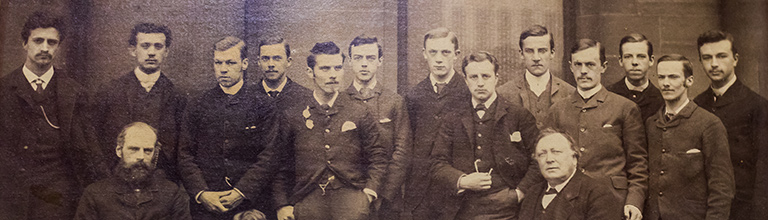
134	191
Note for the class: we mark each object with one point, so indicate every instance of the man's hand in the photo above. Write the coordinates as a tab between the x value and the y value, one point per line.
632	213
231	200
285	213
475	181
520	195
211	201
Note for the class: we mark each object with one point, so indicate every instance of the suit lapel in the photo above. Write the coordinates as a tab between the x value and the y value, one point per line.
22	89
522	86
565	199
733	94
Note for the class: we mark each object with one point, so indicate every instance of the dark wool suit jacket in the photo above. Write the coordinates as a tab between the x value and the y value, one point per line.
454	151
649	101
427	110
291	94
111	198
691	174
582	198
343	141
116	106
745	116
18	130
388	108
232	140
609	132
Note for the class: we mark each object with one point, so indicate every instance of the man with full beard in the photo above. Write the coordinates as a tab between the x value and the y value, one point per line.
134	192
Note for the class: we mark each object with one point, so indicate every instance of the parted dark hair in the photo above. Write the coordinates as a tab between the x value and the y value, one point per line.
150	28
687	67
231	41
40	19
535	31
273	41
328	48
586	43
363	39
635	38
551	131
441	32
714	36
480	57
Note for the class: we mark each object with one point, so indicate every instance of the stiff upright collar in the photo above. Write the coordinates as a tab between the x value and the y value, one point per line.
720	91
636	88
232	89
31	77
589	93
279	87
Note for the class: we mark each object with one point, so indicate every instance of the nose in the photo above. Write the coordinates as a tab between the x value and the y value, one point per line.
714	63
634	62
549	159
536	56
584	70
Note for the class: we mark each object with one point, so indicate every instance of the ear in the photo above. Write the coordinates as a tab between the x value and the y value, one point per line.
132	50
310	73
119	151
288	61
689	81
552	53
245	64
605	67
653	59
381	60
424	53
621	60
735	59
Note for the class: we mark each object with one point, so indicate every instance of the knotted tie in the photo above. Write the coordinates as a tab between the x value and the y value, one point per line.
551	191
38	86
440	87
480	109
273	93
366	93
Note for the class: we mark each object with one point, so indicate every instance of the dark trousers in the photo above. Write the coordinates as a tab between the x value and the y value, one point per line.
343	203
498	205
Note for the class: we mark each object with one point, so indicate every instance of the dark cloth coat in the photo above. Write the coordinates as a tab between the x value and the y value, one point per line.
609	132
649	101
112	199
745	116
690	171
292	93
454	152
582	198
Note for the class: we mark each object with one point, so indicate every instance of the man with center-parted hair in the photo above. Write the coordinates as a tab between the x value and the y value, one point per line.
607	127
144	94
429	103
274	59
234	144
481	159
388	108
690	170
537	89
636	57
334	149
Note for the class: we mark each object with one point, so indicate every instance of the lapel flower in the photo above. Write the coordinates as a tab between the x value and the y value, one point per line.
310	124
306	113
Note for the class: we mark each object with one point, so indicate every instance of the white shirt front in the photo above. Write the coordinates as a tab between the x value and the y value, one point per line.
147	80
537	83
232	89
676	110
589	93
559	188
636	88
31	77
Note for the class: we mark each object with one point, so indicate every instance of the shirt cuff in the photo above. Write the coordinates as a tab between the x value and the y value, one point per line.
371	192
241	193
197	197
459	190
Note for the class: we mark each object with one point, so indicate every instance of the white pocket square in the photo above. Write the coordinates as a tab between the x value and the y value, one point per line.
385	120
348	125
693	151
515	137
607	126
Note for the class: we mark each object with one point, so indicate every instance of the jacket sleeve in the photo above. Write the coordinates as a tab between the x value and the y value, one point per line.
719	171
375	153
602	204
401	157
442	171
181	205
188	169
283	181
86	209
529	132
636	149
258	175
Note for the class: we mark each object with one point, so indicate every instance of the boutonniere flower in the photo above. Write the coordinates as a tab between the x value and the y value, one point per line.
310	124
306	113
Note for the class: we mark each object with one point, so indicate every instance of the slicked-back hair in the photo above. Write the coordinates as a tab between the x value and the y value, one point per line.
228	42
714	36
40	19
551	131
150	28
442	32
536	31
273	41
687	67
327	48
363	39
586	43
480	57
635	38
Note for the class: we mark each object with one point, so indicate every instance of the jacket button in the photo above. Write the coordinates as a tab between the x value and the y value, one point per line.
663	150
479	135
582	149
23	170
582	129
327	146
226	141
329	162
26	147
327	130
584	110
661	173
664	129
437	117
661	193
479	147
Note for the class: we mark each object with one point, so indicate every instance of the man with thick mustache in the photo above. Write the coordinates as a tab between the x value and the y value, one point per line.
334	150
607	128
134	192
636	57
745	116
49	155
144	94
274	60
234	141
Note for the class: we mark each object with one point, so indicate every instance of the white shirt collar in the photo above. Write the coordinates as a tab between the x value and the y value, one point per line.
559	187
636	88
722	90
589	93
359	86
279	87
433	80
537	83
678	109
330	103
146	78
232	89
46	77
487	103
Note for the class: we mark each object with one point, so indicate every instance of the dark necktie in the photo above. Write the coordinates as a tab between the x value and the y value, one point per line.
325	107
480	110
551	191
366	93
669	116
39	86
440	87
273	93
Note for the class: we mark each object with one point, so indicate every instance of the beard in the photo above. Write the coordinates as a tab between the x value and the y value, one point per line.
137	176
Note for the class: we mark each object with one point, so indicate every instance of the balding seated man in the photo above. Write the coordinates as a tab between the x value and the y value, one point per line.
133	191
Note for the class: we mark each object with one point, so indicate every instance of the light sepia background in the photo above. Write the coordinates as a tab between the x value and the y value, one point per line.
95	49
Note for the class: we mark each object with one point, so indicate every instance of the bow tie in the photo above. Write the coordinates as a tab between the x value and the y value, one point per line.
481	107
551	191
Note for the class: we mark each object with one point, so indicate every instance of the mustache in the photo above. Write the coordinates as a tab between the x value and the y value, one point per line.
44	54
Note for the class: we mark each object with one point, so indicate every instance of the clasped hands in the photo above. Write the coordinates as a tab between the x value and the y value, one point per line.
478	181
220	201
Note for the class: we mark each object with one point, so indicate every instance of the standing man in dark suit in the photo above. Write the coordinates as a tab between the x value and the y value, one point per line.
608	130
636	56
537	89
495	136
568	193
745	116
274	59
234	141
334	154
428	103
48	150
690	170
388	108
144	94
